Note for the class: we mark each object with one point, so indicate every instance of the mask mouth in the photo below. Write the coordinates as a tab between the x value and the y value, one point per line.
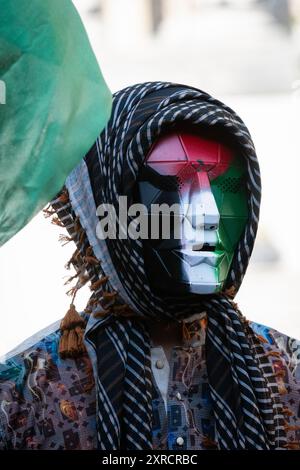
196	248
196	257
205	248
173	244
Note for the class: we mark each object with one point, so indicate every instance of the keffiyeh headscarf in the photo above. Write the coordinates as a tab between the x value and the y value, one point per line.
242	388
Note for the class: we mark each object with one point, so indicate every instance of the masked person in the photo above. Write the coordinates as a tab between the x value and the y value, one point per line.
162	357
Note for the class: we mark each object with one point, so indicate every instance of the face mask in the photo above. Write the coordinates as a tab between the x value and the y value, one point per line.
206	180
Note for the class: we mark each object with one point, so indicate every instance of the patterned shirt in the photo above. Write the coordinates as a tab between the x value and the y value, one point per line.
50	403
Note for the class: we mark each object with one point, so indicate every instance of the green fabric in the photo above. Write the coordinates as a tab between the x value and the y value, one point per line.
56	104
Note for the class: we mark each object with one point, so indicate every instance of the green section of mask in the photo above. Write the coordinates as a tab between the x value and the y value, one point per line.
54	102
230	192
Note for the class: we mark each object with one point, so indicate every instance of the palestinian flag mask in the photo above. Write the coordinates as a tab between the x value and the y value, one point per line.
193	200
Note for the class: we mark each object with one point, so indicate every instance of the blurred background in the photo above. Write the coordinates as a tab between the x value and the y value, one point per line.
244	52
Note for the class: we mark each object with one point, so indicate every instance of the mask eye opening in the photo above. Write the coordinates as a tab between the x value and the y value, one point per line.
163	182
231	184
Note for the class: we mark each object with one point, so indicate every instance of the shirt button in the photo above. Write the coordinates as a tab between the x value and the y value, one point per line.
159	364
180	441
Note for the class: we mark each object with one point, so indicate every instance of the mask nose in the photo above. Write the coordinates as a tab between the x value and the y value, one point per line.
202	218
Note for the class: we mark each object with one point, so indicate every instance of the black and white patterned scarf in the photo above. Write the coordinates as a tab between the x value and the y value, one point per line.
242	388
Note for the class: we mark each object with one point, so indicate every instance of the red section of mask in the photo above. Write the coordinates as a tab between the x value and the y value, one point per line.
185	155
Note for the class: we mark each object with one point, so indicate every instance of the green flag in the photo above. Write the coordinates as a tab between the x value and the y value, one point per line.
53	104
